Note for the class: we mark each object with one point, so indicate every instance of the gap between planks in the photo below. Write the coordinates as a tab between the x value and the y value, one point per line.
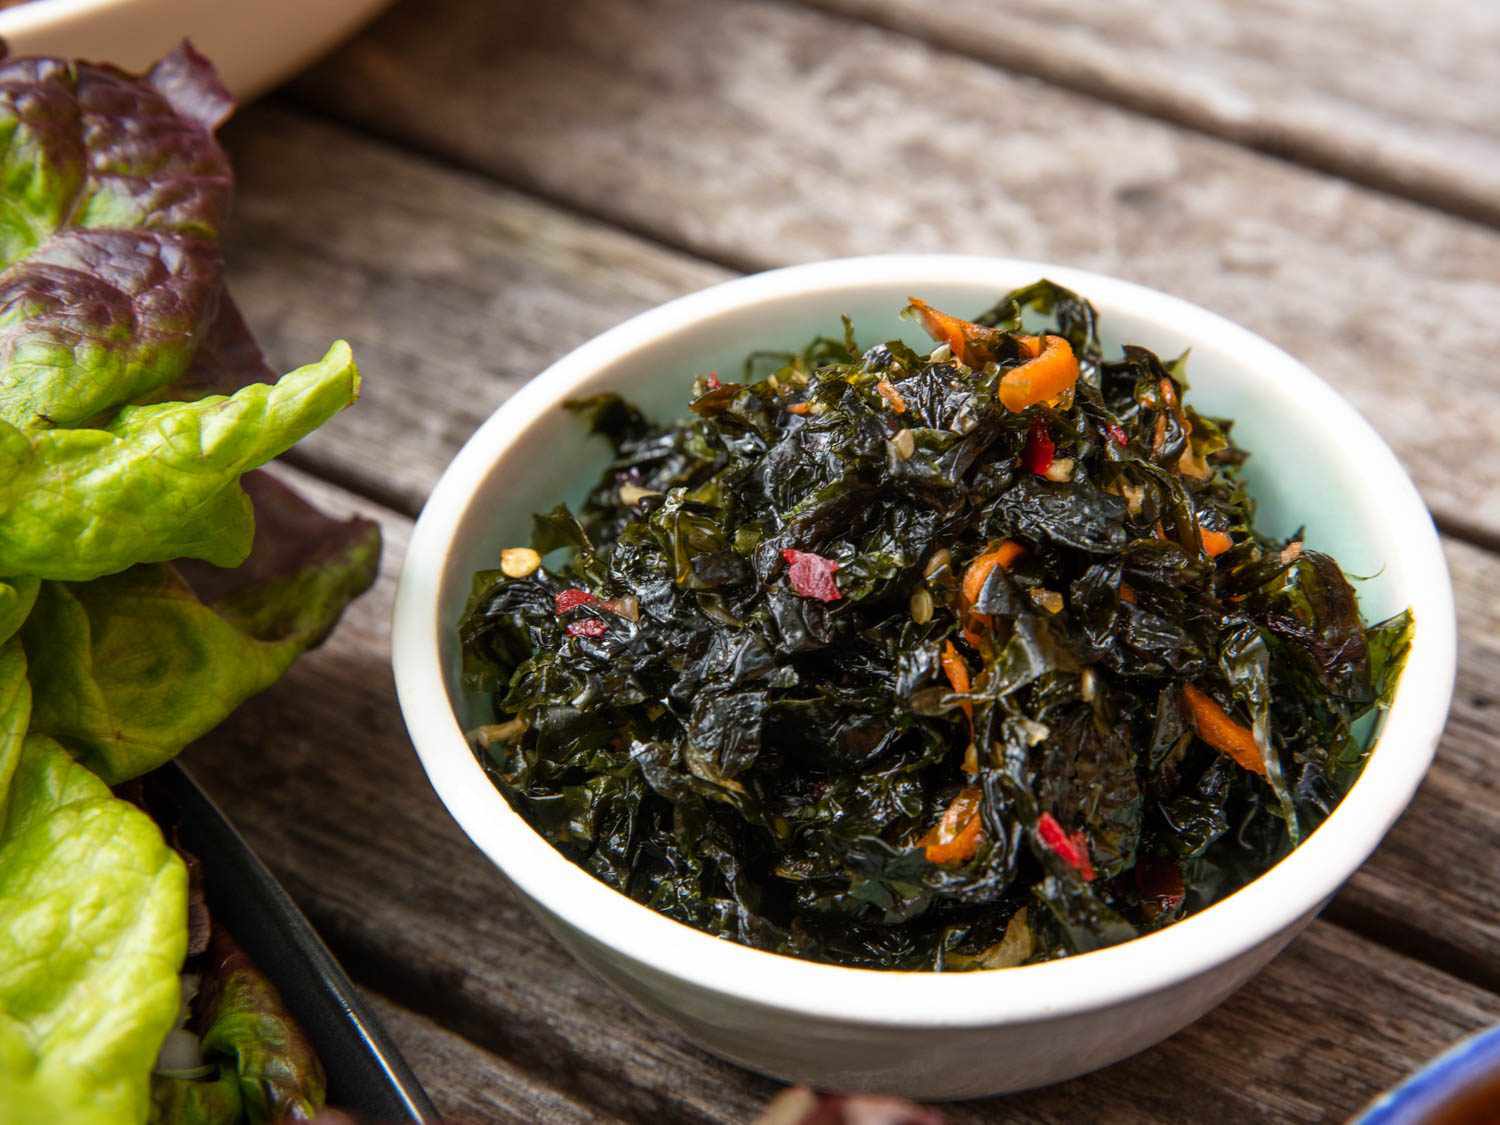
1301	149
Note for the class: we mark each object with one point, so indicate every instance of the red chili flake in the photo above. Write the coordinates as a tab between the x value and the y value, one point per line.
712	380
572	599
587	627
812	575
1072	850
1039	449
1117	432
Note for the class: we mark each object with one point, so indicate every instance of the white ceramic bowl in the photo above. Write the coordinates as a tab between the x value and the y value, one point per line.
254	43
1314	461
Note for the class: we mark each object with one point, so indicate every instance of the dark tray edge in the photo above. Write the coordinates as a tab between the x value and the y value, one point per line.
267	924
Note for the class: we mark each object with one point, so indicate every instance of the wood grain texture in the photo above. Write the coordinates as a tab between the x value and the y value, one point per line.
318	774
756	134
1383	94
474	1085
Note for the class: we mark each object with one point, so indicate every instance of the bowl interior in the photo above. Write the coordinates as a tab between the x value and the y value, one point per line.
1314	462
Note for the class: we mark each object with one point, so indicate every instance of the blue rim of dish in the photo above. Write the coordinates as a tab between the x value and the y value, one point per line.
1446	1079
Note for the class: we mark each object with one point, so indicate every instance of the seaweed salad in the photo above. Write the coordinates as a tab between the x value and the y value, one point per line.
937	661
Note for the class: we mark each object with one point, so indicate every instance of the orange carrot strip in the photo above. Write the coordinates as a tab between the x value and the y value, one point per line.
958	676
1031	346
1216	728
971	343
1127	593
939	325
799	408
1042	378
956	836
1215	543
1003	555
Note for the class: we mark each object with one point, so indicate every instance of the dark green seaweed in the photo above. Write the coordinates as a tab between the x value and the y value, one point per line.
727	700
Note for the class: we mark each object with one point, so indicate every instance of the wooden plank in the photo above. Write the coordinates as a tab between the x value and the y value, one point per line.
475	1085
1384	94
802	136
319	775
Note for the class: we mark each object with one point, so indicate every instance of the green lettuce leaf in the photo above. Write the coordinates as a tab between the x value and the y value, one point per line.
15	713
197	1101
17	595
128	669
159	482
92	935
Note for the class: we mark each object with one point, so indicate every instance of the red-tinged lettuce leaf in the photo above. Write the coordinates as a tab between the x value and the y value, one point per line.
243	1021
306	566
190	85
128	669
116	191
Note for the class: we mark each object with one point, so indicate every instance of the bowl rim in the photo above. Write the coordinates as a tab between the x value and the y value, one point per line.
1297	886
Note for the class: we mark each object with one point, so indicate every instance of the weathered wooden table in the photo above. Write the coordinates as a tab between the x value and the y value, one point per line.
470	189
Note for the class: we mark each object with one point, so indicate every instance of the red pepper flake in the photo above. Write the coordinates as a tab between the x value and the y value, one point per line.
1117	432
588	627
712	380
812	575
1072	850
1039	449
572	599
